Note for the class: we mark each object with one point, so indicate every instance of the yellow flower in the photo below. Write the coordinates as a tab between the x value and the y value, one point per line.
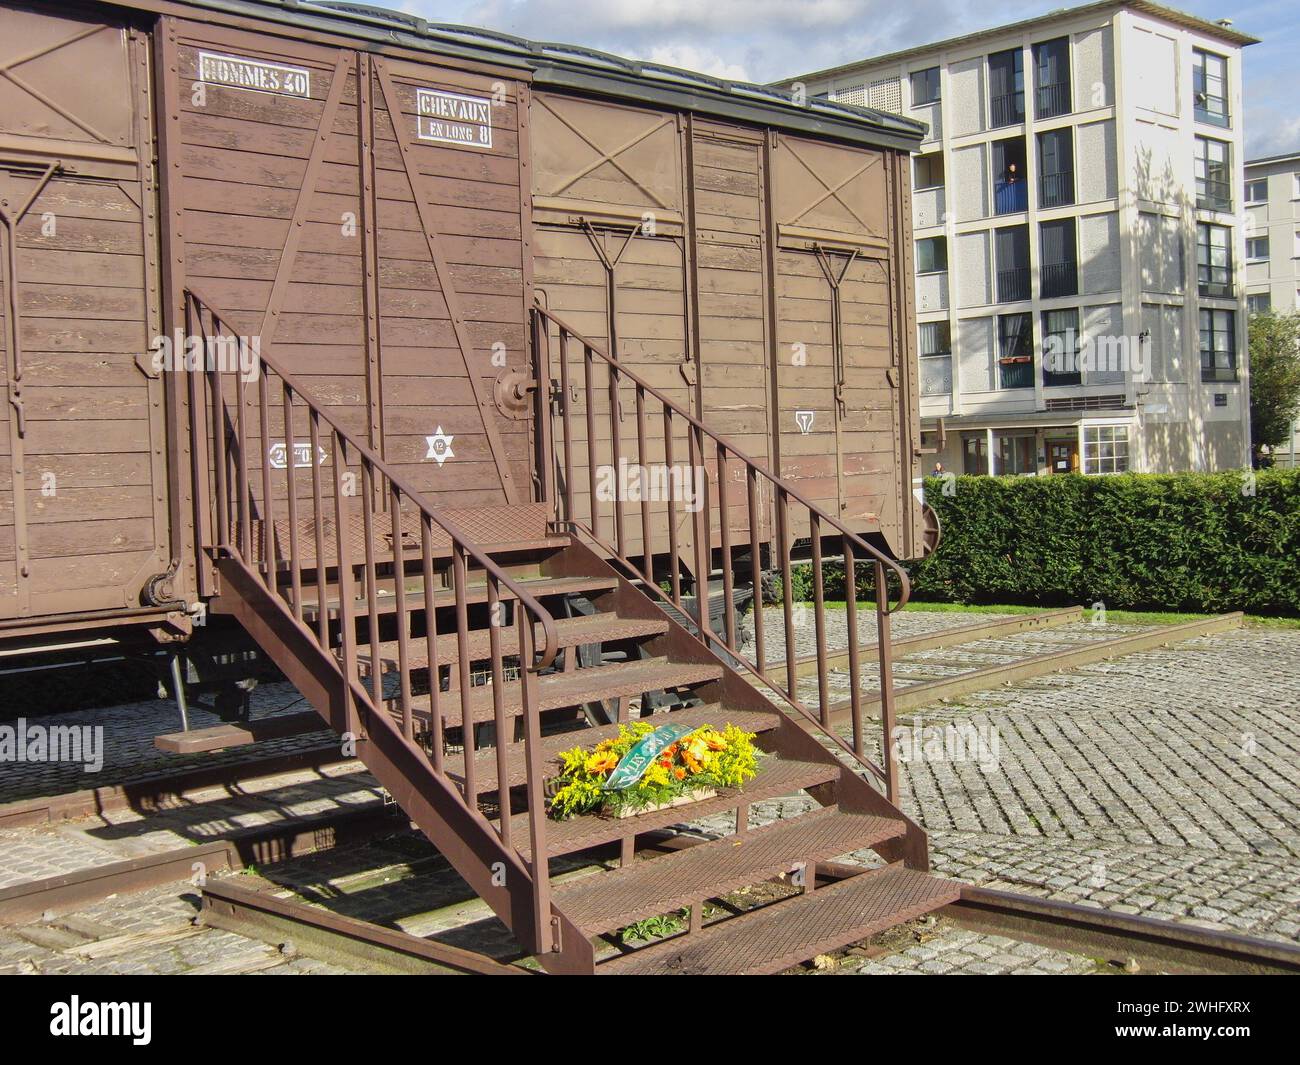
601	762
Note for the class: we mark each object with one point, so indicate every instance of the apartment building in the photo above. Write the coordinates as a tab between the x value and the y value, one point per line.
1079	257
1273	250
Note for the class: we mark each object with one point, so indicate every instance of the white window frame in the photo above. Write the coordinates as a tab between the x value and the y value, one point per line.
1096	459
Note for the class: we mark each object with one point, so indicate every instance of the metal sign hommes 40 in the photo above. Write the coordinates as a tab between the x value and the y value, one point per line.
254	74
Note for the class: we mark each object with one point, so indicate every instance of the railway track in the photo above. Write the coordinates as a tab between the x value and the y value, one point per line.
261	912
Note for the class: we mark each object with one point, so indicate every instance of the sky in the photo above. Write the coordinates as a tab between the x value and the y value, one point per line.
763	40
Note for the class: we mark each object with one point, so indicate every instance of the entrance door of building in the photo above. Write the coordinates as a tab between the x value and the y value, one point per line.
1063	455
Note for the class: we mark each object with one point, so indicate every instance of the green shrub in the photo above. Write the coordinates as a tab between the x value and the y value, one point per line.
1185	542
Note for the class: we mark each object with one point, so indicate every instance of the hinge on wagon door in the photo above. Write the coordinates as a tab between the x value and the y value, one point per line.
688	370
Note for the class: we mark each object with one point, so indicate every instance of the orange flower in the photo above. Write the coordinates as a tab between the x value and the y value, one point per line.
679	773
689	759
714	741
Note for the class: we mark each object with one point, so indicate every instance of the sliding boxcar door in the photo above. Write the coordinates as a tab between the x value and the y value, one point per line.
611	261
82	480
378	260
728	274
450	257
837	371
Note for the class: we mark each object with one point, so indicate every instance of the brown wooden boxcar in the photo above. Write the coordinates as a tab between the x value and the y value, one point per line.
380	202
346	328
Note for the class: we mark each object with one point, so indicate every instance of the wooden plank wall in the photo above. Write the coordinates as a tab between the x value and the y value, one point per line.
331	261
91	462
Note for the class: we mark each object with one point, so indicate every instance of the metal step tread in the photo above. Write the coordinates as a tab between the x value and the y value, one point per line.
485	764
557	690
776	777
477	593
603	902
775	937
571	632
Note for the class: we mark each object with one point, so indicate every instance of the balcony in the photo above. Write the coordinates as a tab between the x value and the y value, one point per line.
1010	197
1052	379
1217	373
1211	109
1016	371
1052	100
1008	109
1059	279
936	375
1213	194
1217	284
1056	190
1013	284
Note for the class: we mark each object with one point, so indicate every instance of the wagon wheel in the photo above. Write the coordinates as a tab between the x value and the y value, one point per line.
931	532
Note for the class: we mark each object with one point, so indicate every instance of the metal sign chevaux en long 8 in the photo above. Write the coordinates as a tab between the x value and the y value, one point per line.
451	118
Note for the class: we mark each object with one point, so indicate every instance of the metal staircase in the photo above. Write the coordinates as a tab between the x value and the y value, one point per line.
435	640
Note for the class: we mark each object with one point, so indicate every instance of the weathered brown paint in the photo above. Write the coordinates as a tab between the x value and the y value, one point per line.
693	245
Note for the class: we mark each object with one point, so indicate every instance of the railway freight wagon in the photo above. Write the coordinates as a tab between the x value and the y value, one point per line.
433	358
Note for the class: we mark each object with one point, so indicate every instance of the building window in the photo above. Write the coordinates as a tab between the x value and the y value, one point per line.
1257	191
1061	348
1105	448
1011	250
1058	259
1052	78
1007	88
1055	169
1257	249
1015	351
1210	87
1010	189
936	358
927	171
1218	345
1213	166
925	86
1259	303
932	255
1016	454
974	453
1213	260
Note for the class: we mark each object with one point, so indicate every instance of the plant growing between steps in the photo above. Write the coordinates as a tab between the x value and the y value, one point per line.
700	761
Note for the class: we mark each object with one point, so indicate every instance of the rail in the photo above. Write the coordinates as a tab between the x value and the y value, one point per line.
590	455
267	445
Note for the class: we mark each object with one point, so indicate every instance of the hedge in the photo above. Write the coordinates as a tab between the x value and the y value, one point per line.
1203	543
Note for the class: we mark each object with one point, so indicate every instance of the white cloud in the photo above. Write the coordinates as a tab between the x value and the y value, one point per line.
688	57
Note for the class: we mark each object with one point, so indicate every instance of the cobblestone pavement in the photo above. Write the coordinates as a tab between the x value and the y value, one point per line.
148	933
954	951
128	751
1165	783
204	815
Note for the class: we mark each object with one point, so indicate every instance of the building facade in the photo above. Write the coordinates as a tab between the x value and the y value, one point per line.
1079	252
1272	191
